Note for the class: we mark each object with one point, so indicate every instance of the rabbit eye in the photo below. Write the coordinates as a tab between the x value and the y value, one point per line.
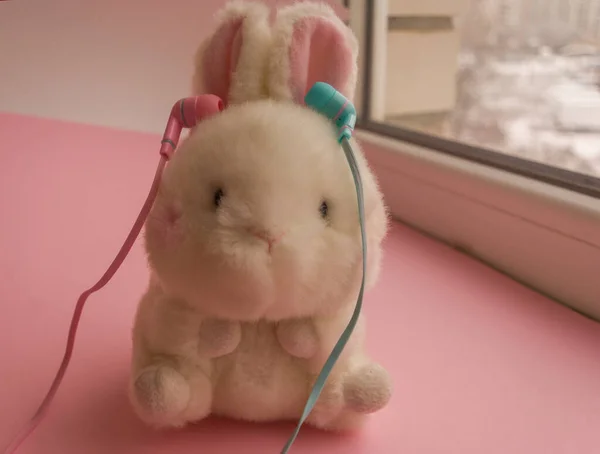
218	197
324	209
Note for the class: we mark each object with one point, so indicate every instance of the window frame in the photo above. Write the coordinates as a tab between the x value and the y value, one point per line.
567	179
537	224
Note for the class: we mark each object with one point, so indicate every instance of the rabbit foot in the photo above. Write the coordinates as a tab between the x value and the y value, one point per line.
367	389
328	406
344	405
162	397
345	421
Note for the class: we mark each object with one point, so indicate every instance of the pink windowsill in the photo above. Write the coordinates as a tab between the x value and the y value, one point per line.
481	365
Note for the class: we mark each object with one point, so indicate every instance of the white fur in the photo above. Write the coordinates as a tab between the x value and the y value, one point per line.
248	78
232	325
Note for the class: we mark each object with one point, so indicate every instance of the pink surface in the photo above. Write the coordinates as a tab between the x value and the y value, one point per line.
481	365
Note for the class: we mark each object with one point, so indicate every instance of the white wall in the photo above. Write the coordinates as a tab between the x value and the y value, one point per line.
119	63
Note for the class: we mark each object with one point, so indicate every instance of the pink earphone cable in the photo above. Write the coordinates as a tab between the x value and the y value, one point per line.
28	429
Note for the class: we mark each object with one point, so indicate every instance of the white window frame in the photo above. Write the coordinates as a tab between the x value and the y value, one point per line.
542	235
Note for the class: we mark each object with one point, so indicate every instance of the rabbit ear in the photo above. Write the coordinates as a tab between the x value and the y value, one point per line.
231	63
311	44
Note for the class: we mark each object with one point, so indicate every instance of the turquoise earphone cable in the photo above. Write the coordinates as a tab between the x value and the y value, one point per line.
343	340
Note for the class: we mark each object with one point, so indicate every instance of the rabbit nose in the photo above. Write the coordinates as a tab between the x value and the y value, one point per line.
267	236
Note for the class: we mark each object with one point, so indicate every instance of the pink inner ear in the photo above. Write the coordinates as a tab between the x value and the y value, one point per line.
220	59
318	53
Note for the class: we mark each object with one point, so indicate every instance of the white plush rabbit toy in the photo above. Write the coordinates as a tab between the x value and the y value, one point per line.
254	242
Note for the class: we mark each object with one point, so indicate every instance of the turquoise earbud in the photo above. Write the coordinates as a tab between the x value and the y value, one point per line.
325	99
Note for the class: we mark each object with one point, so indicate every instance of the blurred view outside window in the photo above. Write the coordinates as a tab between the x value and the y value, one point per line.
517	76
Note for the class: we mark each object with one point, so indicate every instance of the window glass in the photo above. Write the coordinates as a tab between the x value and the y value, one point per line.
516	77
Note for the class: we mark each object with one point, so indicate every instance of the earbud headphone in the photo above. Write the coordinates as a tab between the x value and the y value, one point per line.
328	101
187	113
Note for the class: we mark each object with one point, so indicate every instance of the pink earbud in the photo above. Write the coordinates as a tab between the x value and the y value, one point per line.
187	112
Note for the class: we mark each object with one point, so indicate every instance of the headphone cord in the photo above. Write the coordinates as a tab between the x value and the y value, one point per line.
345	336
42	410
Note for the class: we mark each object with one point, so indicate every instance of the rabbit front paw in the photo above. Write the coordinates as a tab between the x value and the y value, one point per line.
298	338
